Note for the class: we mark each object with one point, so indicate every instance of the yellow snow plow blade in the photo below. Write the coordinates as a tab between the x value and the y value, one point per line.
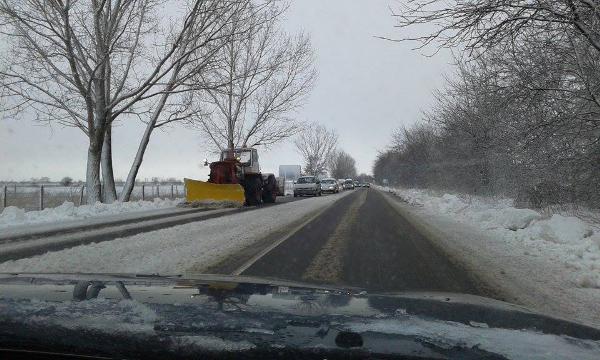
205	191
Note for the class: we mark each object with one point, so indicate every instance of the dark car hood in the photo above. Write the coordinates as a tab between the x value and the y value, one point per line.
165	316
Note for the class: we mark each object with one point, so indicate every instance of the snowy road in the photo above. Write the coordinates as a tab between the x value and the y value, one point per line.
364	238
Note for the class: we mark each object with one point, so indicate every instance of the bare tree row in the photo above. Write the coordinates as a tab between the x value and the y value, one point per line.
318	147
521	115
342	166
91	64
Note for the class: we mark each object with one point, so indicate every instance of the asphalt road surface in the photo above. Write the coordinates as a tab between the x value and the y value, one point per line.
364	241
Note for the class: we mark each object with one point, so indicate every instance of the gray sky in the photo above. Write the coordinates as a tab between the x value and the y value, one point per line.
366	88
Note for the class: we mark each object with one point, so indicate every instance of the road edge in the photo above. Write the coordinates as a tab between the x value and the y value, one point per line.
487	284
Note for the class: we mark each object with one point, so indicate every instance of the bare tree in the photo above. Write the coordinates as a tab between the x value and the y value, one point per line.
267	75
316	145
198	53
86	64
342	165
487	23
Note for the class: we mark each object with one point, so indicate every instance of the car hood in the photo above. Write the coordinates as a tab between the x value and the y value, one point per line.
159	316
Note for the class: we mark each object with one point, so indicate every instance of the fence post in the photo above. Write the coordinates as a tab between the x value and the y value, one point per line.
143	192
158	191
4	197
81	195
172	192
41	197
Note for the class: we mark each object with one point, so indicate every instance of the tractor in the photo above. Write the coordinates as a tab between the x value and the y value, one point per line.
235	177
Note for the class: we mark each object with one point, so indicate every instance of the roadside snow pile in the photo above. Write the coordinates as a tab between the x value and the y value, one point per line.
490	213
560	229
566	239
13	216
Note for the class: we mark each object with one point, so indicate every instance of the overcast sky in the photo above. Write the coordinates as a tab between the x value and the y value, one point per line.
366	88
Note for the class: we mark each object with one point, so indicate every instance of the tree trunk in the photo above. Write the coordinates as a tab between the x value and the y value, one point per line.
93	187
139	156
137	163
108	180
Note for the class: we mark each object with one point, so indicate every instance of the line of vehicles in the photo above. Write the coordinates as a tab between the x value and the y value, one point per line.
237	178
314	186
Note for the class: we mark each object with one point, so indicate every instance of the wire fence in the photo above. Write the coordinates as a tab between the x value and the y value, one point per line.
39	197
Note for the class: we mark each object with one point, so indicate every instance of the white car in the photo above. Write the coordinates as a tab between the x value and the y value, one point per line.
349	184
330	185
307	185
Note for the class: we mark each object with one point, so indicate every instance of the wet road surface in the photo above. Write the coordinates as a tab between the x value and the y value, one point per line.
362	240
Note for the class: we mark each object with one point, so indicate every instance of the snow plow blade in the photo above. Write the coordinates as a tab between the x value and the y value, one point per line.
205	191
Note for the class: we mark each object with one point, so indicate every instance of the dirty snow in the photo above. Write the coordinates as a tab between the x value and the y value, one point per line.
13	216
549	262
174	250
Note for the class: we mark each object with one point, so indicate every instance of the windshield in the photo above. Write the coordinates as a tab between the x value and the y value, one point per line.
306	180
458	143
244	156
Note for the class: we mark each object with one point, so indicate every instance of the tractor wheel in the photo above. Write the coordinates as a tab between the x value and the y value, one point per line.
253	190
269	194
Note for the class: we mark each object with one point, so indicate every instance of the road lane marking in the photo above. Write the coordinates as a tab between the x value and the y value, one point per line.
328	264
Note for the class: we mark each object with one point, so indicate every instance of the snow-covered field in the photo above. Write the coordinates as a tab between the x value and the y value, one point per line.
177	249
549	262
13	216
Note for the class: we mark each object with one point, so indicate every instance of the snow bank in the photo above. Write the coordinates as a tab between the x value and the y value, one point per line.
569	240
490	213
560	229
13	216
175	250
